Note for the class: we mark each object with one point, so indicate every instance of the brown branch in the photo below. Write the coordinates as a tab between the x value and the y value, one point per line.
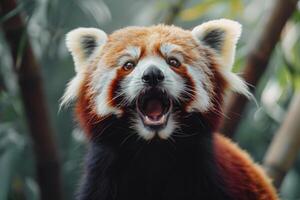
174	11
285	146
34	102
257	60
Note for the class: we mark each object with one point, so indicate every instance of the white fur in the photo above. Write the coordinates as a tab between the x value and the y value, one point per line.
167	48
232	31
134	51
131	53
101	81
167	131
171	50
202	101
73	42
142	131
72	89
236	83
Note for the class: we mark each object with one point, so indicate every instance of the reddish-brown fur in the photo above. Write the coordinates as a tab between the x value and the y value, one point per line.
243	177
149	39
85	110
220	85
112	100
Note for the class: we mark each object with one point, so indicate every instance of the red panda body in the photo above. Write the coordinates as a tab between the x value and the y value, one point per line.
149	100
245	179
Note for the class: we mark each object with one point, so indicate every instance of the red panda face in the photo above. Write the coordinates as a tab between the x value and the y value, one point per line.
151	69
154	73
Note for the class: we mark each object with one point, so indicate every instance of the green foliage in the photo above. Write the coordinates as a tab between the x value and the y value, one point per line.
231	8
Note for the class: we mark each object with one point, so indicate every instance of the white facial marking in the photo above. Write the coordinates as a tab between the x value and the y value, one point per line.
130	53
171	50
101	81
134	51
202	99
167	48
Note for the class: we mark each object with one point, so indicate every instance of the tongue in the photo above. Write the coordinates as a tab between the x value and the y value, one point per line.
154	109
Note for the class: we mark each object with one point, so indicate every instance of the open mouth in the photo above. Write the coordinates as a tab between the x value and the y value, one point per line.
154	107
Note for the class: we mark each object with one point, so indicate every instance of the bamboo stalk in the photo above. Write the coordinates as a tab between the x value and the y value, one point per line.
286	144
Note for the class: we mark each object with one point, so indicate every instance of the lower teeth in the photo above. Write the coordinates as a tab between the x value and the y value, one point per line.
149	121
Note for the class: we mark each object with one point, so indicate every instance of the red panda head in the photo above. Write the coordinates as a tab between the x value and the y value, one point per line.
152	75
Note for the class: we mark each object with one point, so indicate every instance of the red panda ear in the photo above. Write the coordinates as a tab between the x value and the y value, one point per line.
82	43
220	35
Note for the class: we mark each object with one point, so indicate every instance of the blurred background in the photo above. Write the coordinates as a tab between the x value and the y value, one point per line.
270	44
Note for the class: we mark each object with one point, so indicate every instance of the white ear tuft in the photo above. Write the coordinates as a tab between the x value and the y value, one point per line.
72	90
83	42
236	83
220	35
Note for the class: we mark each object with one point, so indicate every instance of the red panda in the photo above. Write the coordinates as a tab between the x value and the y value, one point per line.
150	100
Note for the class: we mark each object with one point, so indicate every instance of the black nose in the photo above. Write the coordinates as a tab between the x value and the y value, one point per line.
153	76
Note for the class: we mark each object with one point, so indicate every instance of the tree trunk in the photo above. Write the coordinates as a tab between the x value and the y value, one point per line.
34	102
286	144
257	61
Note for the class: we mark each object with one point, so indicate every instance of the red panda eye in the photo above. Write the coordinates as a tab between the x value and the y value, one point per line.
128	65
173	62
